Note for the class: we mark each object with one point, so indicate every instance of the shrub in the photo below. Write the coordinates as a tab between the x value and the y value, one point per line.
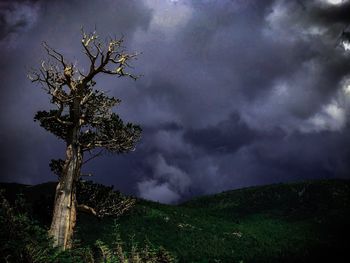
23	240
118	253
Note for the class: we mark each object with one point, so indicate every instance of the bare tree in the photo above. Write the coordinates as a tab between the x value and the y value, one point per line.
83	118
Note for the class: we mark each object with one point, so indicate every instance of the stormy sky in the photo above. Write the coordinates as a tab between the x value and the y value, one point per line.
234	93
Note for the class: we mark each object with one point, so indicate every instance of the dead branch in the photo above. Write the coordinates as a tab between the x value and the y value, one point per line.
54	54
86	209
93	156
105	53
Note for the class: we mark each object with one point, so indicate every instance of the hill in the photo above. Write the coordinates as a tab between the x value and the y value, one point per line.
299	222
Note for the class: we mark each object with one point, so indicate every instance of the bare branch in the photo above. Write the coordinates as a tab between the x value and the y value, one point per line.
93	48
86	209
93	156
54	54
86	98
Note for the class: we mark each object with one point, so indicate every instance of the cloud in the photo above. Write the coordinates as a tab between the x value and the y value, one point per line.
167	179
333	11
151	190
332	117
171	142
243	94
167	17
227	136
16	18
234	93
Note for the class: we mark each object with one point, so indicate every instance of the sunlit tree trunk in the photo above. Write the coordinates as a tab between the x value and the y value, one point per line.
64	213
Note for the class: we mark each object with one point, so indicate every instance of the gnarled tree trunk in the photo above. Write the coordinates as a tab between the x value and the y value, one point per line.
83	119
64	214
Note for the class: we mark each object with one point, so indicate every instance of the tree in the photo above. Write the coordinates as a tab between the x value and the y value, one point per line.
83	118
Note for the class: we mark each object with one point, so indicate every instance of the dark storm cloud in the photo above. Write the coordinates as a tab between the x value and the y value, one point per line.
273	65
234	93
287	156
332	14
304	156
22	156
271	159
226	136
16	17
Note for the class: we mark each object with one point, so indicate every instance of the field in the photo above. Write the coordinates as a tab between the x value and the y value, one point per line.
298	222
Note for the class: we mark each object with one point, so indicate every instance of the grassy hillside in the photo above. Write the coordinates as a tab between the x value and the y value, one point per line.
301	222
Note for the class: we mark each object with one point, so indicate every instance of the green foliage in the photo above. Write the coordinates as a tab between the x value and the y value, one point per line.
277	223
23	240
103	199
116	253
303	222
56	166
97	105
48	121
112	134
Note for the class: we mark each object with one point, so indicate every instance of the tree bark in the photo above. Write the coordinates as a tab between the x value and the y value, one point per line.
64	214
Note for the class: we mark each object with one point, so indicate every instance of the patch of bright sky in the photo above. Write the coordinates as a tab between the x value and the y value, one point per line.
278	20
346	45
334	2
332	116
169	15
347	90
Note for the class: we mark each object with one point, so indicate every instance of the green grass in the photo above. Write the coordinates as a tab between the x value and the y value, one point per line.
300	222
